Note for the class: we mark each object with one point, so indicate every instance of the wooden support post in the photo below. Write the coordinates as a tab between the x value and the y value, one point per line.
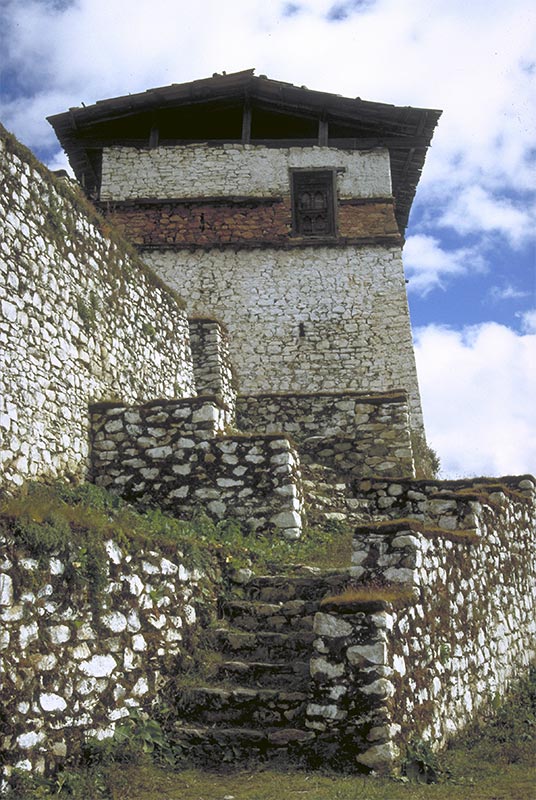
246	124
323	132
154	136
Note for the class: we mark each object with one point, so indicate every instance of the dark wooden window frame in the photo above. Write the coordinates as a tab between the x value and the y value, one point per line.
315	221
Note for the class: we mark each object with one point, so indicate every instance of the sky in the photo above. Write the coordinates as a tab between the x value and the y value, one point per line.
470	252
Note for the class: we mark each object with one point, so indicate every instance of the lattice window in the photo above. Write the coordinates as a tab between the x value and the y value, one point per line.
313	196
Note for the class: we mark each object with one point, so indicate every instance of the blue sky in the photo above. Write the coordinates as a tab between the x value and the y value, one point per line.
470	250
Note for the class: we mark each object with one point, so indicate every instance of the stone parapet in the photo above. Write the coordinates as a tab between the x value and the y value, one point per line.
212	365
449	505
351	432
175	455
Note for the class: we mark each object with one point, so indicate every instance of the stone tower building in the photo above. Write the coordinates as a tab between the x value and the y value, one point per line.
279	210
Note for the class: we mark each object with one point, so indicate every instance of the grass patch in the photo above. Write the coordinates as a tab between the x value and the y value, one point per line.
73	522
355	598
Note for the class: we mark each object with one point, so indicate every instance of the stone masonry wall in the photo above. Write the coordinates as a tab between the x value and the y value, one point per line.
445	504
306	320
81	320
71	671
236	170
459	628
212	365
176	456
302	315
353	433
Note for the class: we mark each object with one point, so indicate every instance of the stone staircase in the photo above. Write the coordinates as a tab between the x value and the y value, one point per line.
329	498
253	708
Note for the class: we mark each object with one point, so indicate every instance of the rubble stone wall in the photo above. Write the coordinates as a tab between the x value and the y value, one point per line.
350	432
459	628
81	320
445	504
73	667
175	455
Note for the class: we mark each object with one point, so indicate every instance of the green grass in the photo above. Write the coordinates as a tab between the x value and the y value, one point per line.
76	519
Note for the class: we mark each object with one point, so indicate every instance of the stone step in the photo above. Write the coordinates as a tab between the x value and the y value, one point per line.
285	589
215	747
270	674
241	706
262	645
293	615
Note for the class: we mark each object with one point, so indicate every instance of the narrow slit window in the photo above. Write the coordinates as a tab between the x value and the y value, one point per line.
313	194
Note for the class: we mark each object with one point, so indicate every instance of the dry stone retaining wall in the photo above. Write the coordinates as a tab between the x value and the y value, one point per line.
461	629
449	505
70	671
353	433
81	320
174	454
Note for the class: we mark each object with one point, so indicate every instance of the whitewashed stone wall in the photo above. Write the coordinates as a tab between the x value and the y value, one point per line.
463	627
81	320
234	169
69	672
312	319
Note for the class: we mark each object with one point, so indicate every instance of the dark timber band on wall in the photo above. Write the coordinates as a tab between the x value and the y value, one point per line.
250	222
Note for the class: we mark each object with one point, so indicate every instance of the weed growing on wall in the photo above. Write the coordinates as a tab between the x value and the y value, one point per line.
427	462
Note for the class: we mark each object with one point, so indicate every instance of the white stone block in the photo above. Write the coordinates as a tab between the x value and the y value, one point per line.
328	625
6	589
382	687
375	653
287	519
52	702
100	666
321	667
114	621
59	634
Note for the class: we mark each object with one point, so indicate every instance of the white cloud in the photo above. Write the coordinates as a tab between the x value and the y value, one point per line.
476	210
473	60
429	266
528	321
498	294
478	387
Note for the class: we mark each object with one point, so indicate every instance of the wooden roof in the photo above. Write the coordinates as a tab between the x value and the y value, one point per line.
307	118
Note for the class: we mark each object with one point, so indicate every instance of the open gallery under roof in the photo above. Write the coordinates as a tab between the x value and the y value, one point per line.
249	109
